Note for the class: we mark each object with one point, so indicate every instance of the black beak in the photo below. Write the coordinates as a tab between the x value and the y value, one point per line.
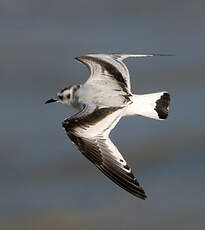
51	100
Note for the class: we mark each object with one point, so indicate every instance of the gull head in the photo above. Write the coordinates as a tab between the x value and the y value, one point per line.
64	96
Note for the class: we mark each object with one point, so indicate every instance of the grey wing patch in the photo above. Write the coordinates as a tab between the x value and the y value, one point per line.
108	66
97	151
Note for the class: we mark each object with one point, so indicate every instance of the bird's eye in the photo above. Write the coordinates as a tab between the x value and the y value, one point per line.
68	96
60	97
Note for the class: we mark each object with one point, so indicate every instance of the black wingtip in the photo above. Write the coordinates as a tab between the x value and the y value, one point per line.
164	55
141	194
144	197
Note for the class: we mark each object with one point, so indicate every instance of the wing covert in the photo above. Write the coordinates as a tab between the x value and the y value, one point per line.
111	67
107	66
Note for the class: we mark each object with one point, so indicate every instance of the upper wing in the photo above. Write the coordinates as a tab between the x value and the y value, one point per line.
111	66
90	133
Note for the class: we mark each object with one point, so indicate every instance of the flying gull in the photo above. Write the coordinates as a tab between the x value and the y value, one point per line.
101	101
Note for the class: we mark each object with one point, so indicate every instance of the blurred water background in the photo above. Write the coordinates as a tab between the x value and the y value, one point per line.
45	183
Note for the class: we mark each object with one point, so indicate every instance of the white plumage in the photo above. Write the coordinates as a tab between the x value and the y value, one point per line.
102	100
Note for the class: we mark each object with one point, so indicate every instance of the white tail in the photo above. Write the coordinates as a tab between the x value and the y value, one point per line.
154	105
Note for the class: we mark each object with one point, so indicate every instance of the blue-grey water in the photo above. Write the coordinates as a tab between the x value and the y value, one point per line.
45	183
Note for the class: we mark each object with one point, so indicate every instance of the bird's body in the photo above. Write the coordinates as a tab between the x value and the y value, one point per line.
101	101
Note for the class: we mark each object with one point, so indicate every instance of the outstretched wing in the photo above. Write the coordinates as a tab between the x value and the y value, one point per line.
111	67
89	131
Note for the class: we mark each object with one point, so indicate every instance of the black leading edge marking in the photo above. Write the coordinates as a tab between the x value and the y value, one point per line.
162	106
89	119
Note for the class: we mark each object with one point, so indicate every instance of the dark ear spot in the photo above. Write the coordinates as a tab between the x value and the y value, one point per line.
60	97
68	96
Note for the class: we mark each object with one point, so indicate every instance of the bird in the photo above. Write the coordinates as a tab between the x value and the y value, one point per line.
101	102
